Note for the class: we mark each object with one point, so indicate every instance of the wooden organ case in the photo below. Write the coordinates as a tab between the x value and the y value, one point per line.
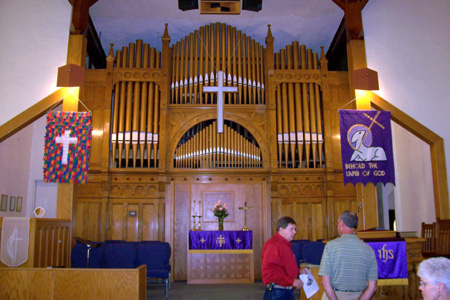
156	154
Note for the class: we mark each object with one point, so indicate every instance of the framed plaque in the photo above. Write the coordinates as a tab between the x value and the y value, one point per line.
12	203
4	203
19	204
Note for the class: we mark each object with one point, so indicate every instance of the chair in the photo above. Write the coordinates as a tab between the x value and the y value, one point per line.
312	252
429	234
297	248
79	255
156	256
120	255
443	237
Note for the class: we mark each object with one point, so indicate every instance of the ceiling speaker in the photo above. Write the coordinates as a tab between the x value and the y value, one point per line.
187	4
253	5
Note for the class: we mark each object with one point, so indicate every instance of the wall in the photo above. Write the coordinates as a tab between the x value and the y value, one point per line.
14	168
407	42
34	39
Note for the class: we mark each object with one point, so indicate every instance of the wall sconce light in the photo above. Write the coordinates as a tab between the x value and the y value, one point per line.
70	75
365	79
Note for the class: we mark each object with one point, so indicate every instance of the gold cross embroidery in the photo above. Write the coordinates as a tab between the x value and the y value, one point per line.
220	240
202	240
238	240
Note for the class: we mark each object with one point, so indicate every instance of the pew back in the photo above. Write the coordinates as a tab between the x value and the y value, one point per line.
49	244
87	284
443	237
429	234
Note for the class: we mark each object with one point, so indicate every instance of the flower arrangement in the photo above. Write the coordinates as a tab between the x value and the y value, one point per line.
220	210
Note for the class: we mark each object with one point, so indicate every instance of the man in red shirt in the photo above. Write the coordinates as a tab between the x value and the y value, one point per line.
279	266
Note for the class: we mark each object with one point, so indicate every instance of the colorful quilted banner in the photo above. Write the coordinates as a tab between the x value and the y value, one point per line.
67	147
366	146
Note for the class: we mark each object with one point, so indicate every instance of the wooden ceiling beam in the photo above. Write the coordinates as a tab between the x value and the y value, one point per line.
80	15
340	3
353	20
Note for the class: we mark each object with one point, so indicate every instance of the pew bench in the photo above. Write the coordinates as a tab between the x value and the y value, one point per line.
154	255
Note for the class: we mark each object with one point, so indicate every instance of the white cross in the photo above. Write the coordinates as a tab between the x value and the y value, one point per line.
66	140
220	89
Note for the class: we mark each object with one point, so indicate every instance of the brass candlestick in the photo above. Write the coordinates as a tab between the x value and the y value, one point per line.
199	223
193	223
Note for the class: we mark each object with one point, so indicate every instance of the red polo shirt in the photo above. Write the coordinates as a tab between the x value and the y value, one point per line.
278	262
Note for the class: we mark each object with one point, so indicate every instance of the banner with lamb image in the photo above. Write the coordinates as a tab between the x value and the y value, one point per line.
366	146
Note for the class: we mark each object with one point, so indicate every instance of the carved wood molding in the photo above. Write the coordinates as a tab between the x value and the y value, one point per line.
301	190
134	190
296	76
130	74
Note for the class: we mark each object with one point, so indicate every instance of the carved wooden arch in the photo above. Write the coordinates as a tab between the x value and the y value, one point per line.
262	142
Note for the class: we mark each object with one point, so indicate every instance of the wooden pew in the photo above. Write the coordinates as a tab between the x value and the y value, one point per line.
87	284
429	234
443	237
49	244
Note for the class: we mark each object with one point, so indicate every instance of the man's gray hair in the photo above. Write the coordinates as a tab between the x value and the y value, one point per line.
350	219
436	269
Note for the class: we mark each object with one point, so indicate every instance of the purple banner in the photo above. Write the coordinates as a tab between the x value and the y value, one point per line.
220	240
391	259
366	144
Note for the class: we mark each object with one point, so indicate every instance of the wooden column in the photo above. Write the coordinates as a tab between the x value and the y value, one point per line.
76	55
166	68
356	55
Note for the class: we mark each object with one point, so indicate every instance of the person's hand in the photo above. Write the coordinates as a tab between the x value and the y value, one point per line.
303	271
298	284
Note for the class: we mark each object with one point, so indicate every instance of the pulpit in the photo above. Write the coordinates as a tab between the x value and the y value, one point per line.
220	257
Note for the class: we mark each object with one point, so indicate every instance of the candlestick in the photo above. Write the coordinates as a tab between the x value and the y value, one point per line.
193	223
199	223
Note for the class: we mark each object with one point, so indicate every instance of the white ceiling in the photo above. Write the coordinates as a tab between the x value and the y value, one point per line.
311	22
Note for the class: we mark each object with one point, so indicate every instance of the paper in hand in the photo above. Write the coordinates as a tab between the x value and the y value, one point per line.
310	285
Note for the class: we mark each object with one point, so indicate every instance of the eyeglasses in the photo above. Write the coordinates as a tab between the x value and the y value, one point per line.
422	283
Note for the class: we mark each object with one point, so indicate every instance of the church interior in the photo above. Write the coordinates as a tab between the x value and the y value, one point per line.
166	146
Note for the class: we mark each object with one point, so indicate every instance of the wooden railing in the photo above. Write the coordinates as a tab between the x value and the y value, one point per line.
49	244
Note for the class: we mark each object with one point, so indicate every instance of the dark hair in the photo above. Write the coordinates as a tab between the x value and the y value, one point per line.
350	219
284	222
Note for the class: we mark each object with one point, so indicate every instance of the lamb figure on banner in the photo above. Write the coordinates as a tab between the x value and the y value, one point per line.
363	152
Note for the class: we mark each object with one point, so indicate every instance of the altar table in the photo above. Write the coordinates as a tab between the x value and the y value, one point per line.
220	257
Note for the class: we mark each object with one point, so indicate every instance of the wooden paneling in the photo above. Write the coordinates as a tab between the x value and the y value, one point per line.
303	197
309	216
221	268
150	228
182	222
186	194
48	284
116	226
49	244
133	219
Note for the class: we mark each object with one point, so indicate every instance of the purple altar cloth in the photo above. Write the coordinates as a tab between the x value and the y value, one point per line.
220	240
391	259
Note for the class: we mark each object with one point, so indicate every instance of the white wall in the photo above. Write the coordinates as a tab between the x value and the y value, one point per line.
34	36
408	43
14	168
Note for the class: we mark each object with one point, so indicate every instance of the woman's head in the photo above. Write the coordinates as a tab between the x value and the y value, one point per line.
434	276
